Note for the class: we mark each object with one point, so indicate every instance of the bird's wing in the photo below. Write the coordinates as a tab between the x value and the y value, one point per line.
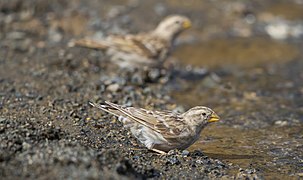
131	44
150	45
166	123
142	44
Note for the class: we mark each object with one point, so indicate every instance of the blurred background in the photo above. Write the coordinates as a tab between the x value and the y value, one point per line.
249	52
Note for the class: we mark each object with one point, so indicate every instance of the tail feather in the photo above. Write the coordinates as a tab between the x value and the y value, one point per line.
107	108
89	43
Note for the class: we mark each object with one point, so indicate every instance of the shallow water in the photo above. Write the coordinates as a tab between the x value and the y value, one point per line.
256	88
274	151
243	52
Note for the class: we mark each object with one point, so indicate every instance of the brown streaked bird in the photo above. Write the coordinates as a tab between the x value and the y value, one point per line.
145	49
162	131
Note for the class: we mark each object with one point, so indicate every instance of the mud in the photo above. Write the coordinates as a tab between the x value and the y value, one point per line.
228	61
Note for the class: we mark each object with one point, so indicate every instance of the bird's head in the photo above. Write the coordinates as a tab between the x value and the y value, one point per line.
172	26
200	116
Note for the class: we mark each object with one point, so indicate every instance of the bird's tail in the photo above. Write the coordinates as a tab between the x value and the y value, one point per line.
107	107
89	43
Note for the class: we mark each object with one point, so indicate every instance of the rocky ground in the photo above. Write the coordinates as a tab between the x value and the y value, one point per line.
47	128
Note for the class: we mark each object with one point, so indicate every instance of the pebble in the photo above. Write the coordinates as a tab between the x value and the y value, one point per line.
16	35
173	161
281	123
281	29
185	153
113	87
54	36
154	74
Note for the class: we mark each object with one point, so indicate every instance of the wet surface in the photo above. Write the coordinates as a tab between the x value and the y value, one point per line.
274	151
258	93
243	52
242	59
261	125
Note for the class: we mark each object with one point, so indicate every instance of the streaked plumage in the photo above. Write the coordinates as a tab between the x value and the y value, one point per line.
162	131
144	49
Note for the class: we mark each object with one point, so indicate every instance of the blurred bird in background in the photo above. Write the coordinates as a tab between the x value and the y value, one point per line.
144	49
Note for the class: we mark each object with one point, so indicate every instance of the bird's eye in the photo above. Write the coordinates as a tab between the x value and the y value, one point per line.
204	114
177	22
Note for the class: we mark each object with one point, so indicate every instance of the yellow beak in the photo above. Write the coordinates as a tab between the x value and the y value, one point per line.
186	24
214	118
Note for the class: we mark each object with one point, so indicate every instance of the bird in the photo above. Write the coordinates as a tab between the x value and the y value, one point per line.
147	49
162	131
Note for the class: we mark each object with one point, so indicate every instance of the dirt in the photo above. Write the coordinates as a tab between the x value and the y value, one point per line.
49	131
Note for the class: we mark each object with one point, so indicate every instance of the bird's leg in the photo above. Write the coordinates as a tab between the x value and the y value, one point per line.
155	150
159	151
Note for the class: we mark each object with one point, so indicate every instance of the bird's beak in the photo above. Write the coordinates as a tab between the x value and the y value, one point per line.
186	24
214	118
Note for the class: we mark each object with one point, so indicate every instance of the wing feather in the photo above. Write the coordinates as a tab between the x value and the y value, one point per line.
142	44
168	124
129	115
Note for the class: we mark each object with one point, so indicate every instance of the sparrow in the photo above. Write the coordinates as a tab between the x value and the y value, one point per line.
144	49
162	131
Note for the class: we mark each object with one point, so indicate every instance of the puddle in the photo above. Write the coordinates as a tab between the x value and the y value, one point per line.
274	151
255	85
290	11
245	52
